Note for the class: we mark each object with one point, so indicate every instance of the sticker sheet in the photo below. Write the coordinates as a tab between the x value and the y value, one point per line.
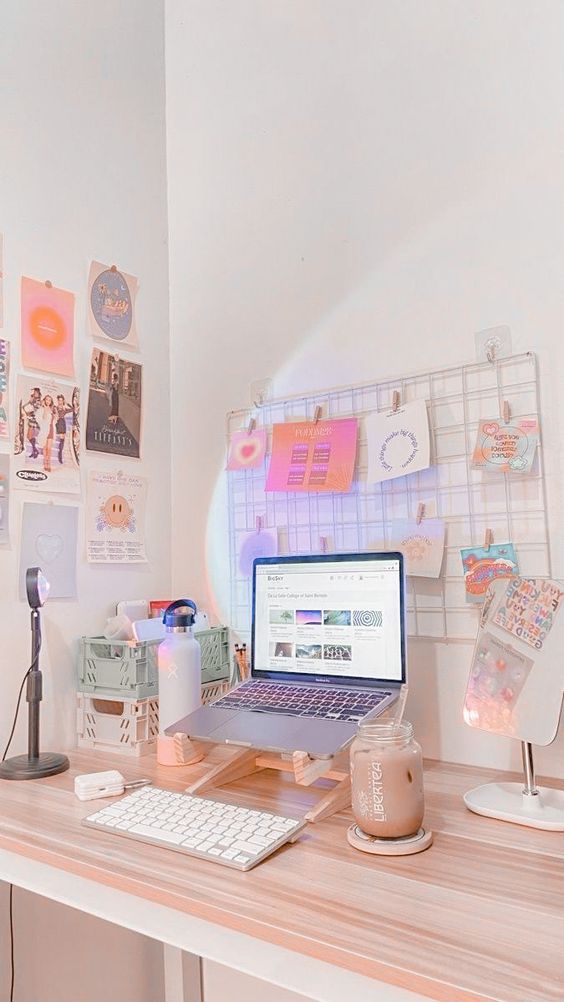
422	545
506	448
4	387
482	566
497	677
528	609
4	500
247	449
111	304
47	328
261	543
313	456
398	442
115	518
49	534
47	435
113	423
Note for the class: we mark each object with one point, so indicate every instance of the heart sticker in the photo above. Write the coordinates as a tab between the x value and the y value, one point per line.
491	429
49	547
249	450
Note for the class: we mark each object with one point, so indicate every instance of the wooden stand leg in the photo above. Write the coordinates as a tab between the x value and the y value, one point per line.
334	801
243	763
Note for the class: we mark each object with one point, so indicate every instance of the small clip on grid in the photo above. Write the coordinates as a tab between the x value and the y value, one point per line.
258	523
317	414
506	411
251	426
488	539
420	513
396	400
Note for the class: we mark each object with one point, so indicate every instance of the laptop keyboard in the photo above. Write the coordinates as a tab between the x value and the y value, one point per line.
303	701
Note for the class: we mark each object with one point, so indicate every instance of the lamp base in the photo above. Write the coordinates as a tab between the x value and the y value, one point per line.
22	767
507	802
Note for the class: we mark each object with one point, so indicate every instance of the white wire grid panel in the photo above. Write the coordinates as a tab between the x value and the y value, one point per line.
470	501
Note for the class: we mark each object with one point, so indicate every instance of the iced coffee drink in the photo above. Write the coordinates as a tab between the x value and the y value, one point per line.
387	780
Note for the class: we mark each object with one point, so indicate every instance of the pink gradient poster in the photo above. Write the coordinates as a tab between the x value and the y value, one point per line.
47	328
247	449
313	456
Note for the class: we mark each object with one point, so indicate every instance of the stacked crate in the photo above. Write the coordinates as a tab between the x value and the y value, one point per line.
117	699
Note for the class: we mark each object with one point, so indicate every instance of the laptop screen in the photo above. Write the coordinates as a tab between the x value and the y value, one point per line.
335	617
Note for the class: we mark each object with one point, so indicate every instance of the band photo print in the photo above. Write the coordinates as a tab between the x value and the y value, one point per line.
113	423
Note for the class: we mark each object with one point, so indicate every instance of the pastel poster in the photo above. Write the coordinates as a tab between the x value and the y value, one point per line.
247	449
111	304
506	448
47	327
313	456
47	436
115	518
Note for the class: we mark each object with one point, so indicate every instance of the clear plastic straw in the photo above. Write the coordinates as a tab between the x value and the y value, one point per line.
400	707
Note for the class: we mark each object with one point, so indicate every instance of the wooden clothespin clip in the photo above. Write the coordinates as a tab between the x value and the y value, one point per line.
317	414
323	543
506	411
490	353
488	539
420	513
251	425
396	399
258	523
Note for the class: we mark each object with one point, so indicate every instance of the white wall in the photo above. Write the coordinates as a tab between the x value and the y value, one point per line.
354	189
83	175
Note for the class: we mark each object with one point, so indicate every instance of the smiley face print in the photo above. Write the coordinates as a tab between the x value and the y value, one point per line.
116	513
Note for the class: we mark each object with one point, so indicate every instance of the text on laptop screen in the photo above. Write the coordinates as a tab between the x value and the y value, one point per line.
342	618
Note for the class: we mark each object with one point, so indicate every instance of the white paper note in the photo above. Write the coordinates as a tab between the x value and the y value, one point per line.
422	545
398	442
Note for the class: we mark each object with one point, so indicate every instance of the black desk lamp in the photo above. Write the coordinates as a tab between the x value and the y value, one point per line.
34	765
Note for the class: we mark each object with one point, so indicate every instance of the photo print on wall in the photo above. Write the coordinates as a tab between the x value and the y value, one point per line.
49	535
111	304
398	442
4	500
47	328
113	423
47	435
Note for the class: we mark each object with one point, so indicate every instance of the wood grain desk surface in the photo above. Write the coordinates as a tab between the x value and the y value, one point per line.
480	915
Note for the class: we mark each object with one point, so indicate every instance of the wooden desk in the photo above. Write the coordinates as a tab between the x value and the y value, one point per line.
480	915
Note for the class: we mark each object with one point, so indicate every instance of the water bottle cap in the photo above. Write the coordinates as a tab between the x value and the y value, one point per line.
180	614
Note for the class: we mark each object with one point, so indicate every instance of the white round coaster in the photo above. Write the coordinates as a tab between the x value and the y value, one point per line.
389	846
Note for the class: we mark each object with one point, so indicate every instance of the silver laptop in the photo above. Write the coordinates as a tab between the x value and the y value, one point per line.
328	650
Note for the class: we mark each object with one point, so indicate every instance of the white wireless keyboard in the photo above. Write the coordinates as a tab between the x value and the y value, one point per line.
223	833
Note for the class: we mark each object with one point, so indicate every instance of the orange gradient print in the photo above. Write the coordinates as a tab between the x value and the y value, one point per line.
47	327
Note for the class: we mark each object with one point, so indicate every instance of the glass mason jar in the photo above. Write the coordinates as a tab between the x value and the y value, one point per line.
387	780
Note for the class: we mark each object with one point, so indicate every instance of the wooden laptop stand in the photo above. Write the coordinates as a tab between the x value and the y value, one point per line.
306	770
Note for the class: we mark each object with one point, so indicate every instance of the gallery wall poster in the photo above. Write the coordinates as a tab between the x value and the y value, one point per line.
47	435
4	500
113	423
115	518
111	304
47	328
484	564
247	449
4	387
398	442
49	534
506	447
422	544
313	456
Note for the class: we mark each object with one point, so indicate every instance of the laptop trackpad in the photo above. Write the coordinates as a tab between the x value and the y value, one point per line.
259	730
